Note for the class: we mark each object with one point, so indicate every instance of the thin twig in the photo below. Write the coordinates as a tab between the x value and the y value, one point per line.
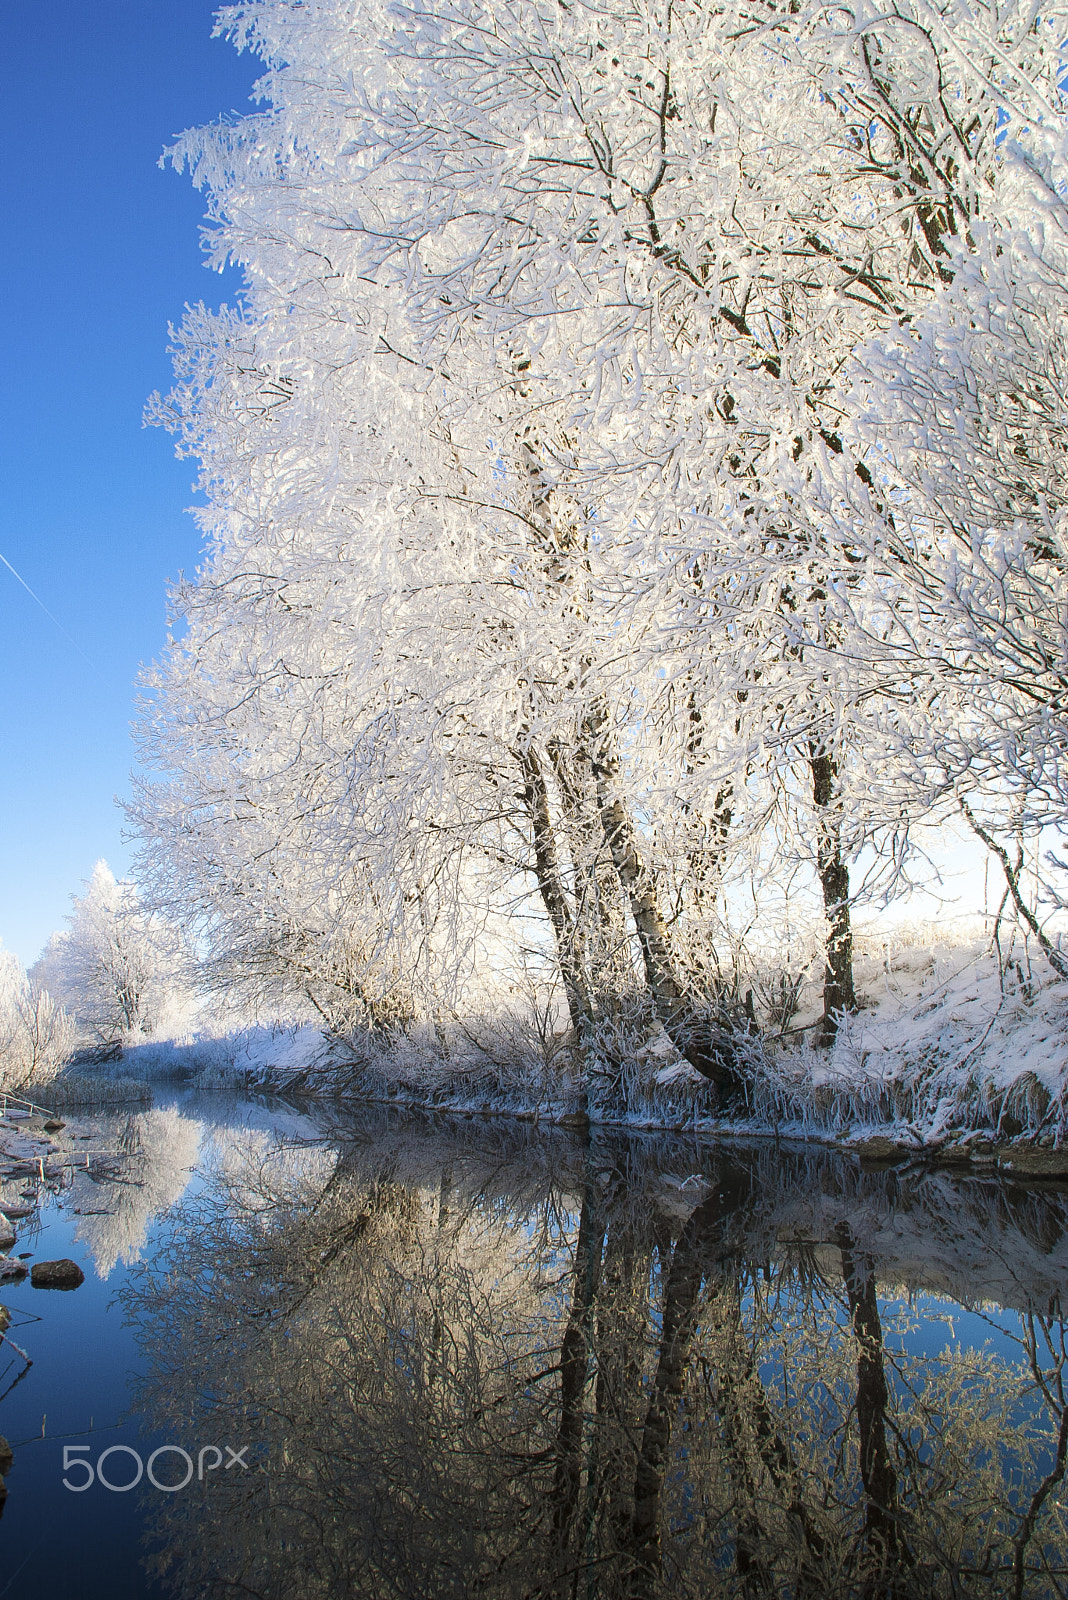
1012	878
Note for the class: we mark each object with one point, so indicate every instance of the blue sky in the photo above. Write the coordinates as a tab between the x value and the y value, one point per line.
101	252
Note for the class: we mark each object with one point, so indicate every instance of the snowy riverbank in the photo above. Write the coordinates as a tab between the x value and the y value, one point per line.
952	1046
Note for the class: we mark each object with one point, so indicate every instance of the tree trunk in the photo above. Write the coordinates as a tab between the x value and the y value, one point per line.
621	1340
707	851
695	1248
574	1367
838	992
600	913
553	892
876	1468
706	1045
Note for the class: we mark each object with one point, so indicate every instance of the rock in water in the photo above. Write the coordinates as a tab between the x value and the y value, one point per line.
7	1457
65	1274
1027	1162
12	1267
881	1152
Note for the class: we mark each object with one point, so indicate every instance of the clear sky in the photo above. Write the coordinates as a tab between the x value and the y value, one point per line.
101	250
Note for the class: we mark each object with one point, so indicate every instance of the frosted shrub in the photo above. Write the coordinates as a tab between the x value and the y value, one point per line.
36	1034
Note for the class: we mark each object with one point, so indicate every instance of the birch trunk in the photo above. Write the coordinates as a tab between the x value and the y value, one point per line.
553	891
839	995
705	1045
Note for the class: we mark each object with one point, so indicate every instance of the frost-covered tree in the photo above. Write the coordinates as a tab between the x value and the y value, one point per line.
692	255
554	538
964	411
335	825
120	972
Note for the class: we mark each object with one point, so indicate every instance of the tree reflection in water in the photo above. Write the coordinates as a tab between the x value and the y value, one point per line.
496	1363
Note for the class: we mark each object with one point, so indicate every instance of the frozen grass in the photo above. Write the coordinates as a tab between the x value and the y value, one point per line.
87	1091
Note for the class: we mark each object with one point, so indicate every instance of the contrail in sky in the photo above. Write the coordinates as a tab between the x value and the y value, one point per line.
45	609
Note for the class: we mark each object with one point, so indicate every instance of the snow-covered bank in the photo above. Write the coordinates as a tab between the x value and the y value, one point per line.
952	1036
953	1041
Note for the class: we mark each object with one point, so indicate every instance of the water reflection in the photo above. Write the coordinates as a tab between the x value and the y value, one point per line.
135	1166
492	1362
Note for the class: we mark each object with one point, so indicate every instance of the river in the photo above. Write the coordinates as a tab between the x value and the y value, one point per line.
327	1352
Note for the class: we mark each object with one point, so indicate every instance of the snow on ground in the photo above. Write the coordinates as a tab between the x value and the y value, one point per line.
953	1033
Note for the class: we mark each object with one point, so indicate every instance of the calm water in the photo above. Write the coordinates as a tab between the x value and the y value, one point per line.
406	1358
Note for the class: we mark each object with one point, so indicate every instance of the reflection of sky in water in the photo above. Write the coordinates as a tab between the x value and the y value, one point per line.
78	1389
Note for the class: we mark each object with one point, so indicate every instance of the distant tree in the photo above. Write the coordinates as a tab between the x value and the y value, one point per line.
36	1034
120	972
